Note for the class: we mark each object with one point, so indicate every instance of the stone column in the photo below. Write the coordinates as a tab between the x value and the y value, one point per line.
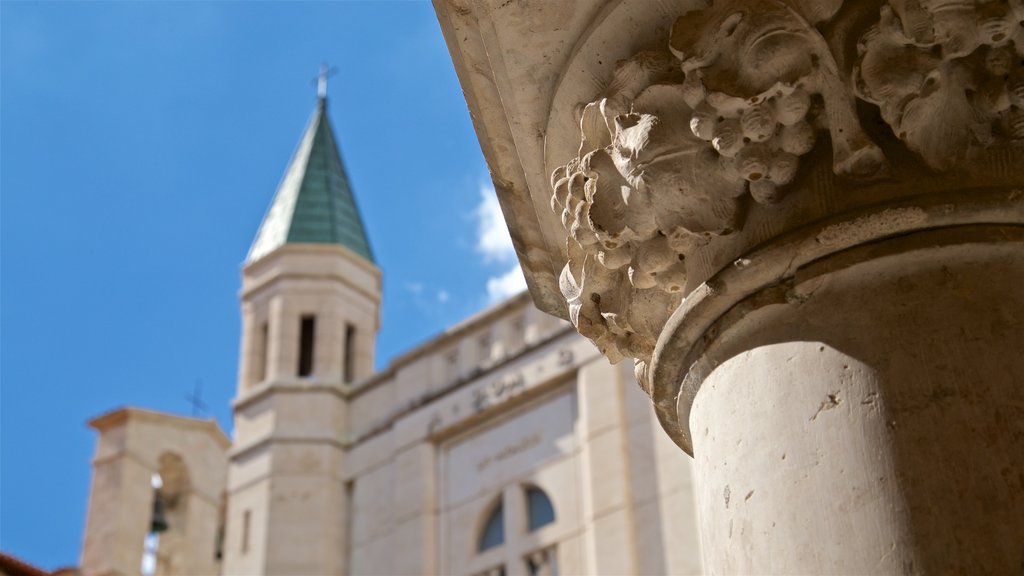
866	417
804	222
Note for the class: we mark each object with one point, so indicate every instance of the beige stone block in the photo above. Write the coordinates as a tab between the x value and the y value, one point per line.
371	409
667	541
116	521
600	397
374	558
369	454
675	468
637	403
416	427
571	554
308	411
410	383
111	442
605	471
644	467
254	421
679	524
651	538
414	494
248	467
611	543
306	458
372	505
414	538
306	523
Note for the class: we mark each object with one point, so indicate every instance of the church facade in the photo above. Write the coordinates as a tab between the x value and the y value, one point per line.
506	445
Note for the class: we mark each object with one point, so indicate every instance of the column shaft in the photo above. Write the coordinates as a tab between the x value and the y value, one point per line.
872	421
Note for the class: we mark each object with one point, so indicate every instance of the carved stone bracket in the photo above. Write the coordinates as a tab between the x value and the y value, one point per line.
686	141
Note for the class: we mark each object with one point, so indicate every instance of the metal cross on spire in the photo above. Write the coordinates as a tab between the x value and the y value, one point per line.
196	400
321	79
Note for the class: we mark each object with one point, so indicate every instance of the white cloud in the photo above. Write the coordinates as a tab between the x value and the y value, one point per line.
495	244
414	287
508	284
493	240
442	296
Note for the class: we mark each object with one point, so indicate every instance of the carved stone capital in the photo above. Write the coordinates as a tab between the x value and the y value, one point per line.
728	132
700	151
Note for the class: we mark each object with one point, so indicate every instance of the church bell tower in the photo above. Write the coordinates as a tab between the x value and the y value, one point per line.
311	298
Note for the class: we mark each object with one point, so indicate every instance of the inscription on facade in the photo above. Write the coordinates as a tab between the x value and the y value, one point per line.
508	451
498	391
502	389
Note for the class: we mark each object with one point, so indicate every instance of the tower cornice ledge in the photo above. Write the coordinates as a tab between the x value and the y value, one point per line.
658	163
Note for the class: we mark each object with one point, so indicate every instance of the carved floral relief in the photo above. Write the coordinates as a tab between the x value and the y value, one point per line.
682	138
946	75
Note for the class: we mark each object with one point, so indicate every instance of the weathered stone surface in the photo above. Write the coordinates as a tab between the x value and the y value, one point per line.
682	139
868	418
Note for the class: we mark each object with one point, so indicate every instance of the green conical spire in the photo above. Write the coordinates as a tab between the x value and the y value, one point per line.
314	202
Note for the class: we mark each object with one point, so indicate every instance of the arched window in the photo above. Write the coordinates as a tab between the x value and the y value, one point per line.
164	550
539	510
542	559
493	534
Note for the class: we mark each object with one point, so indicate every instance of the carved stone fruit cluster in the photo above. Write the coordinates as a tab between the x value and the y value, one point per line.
760	138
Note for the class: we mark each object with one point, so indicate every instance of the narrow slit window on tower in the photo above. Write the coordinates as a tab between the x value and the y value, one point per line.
350	353
307	327
246	520
350	515
263	354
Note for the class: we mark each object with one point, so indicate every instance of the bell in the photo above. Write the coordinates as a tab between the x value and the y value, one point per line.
159	522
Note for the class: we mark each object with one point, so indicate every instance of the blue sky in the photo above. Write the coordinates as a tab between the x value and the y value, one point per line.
140	144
